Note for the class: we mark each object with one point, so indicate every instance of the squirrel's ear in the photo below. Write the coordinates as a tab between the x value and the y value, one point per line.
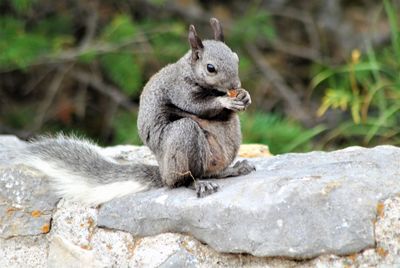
216	25
195	43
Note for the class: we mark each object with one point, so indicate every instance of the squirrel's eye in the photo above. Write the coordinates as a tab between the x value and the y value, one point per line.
211	68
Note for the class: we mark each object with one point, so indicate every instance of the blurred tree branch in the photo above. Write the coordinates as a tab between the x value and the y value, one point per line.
293	104
108	90
91	24
51	92
96	48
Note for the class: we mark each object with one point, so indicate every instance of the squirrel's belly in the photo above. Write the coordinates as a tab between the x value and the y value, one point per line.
218	158
223	144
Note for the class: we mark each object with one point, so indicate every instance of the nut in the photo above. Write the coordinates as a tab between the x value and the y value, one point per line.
232	93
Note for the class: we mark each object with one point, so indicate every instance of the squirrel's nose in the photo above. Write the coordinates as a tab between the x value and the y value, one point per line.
236	85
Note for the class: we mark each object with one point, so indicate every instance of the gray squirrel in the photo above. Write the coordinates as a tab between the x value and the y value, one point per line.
186	118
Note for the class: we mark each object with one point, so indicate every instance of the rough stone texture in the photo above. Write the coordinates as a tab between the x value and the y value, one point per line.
76	240
26	203
387	232
28	251
176	250
162	250
254	150
387	250
295	205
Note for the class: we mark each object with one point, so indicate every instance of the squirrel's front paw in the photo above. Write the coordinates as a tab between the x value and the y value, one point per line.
238	103
244	97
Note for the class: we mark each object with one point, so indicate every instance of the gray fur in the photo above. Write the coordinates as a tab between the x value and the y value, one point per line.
185	118
83	158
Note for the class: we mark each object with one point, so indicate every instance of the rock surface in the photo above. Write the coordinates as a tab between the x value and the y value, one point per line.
71	244
316	205
254	150
26	202
295	205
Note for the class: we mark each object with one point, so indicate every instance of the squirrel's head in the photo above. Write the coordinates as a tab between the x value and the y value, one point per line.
213	63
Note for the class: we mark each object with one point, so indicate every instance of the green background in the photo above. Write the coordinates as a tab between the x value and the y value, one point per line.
322	74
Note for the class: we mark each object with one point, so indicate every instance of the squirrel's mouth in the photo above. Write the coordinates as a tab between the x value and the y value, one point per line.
222	91
219	92
232	92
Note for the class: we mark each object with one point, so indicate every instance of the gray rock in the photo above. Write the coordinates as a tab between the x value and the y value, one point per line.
295	205
387	249
26	203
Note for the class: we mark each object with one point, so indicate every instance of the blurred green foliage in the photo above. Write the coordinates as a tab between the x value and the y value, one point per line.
368	87
282	135
255	24
123	70
121	67
126	48
19	48
126	129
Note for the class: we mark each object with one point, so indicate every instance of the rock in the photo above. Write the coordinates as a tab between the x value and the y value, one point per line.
75	240
254	150
74	222
26	203
164	250
295	205
177	250
113	248
387	235
315	205
386	252
181	258
63	253
29	251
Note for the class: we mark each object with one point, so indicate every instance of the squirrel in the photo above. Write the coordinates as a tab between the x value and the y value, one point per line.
187	119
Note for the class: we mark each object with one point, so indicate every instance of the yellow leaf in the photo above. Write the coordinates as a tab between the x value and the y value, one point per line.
355	56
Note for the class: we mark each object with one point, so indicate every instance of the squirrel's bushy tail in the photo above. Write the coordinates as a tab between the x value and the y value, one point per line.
79	171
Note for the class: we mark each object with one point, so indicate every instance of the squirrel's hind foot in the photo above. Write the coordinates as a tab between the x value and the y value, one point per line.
204	188
240	168
243	167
